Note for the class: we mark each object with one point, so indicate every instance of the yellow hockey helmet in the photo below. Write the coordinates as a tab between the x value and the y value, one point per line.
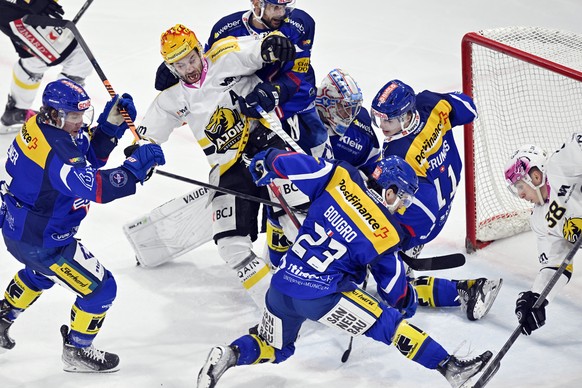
177	42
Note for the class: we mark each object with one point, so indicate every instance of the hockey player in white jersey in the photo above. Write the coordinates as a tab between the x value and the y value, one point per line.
217	97
553	186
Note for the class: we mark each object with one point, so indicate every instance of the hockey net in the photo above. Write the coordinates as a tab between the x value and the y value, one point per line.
527	85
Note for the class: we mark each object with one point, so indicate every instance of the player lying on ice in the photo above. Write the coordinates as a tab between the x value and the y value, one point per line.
348	228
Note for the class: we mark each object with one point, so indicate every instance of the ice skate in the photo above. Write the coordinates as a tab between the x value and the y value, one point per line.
6	343
459	371
219	360
86	360
13	117
477	296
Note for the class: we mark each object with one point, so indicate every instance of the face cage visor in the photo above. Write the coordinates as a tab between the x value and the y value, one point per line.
74	118
343	112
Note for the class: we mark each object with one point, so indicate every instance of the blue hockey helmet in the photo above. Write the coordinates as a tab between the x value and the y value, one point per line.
396	101
339	100
66	96
393	172
288	4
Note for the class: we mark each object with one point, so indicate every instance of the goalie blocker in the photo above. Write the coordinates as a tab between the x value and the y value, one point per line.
172	229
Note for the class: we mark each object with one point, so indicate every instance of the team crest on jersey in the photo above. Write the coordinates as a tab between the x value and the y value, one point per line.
224	129
118	178
572	229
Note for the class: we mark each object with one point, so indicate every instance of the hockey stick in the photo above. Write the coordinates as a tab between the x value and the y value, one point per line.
452	260
82	11
225	190
348	351
276	126
494	365
43	21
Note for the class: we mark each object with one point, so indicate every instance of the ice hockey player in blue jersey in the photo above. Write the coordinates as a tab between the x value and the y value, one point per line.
347	229
54	163
294	81
418	128
337	101
339	104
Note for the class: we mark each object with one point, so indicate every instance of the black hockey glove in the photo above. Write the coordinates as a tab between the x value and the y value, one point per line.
277	47
530	318
164	78
265	94
53	9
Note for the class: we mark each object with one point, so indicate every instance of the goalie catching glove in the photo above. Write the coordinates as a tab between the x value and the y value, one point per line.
111	121
276	47
530	318
143	159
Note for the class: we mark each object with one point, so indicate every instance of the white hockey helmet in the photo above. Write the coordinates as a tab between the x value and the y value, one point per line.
518	168
339	100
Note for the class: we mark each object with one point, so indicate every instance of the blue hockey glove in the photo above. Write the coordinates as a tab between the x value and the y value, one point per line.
142	161
276	47
111	121
410	303
265	95
262	176
530	318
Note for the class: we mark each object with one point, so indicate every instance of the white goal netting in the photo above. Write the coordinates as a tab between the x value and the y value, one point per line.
519	102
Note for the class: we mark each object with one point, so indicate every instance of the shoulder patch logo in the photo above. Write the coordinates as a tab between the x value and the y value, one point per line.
118	178
572	229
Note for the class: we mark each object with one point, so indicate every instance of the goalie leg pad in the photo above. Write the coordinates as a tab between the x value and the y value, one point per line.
172	229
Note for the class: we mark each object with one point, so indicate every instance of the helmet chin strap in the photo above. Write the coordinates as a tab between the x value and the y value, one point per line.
414	123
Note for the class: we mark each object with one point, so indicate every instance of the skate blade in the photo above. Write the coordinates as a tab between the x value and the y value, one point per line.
8	129
77	369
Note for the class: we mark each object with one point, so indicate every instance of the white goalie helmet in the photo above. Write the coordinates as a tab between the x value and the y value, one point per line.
517	169
339	100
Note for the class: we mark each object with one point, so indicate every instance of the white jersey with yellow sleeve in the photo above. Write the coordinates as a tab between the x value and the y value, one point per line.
210	106
558	223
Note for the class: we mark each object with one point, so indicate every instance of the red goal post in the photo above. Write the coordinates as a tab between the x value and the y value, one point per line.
527	86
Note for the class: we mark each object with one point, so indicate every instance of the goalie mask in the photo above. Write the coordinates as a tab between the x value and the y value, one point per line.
394	110
518	170
182	53
339	100
70	102
393	172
